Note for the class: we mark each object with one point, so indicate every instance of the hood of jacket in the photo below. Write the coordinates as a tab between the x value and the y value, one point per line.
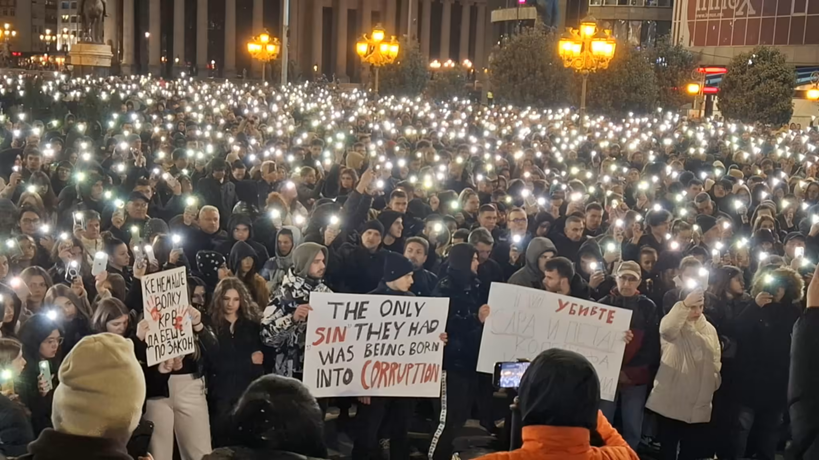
589	248
239	252
784	277
240	219
296	236
303	256
536	248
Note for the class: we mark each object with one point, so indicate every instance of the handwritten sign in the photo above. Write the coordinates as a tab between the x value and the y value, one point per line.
165	297
374	345
526	321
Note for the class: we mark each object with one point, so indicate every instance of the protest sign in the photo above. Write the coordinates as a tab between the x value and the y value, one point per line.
374	345
165	297
524	321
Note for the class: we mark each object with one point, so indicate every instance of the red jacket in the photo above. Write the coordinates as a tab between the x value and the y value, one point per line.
568	443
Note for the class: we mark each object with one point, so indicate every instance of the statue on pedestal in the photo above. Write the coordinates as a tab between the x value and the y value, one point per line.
92	18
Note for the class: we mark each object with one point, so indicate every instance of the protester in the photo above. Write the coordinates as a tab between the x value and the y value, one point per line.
15	426
41	338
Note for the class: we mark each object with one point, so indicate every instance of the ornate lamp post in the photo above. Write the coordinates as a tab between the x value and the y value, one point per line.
587	49
813	93
375	50
264	48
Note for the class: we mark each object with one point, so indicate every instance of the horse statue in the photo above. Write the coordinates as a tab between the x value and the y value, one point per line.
92	17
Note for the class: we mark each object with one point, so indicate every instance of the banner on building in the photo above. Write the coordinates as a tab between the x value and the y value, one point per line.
165	298
374	345
523	322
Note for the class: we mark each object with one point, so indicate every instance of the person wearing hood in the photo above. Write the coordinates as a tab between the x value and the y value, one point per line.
89	198
537	253
358	264
244	263
416	250
393	223
211	267
464	327
761	367
374	411
642	353
275	419
288	238
558	400
284	326
240	228
98	404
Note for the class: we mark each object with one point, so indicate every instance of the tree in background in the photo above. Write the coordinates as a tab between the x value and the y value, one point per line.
526	70
408	75
628	85
448	83
758	88
673	65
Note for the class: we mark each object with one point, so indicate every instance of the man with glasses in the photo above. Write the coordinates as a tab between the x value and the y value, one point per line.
641	357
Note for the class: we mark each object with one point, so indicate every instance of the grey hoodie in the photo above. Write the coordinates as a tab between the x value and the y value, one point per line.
275	268
530	275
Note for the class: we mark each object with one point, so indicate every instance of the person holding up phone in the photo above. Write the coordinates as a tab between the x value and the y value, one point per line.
15	426
41	338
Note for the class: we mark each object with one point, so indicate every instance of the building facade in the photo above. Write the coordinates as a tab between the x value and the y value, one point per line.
171	36
30	19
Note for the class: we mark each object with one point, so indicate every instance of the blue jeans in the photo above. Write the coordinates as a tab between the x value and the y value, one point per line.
632	402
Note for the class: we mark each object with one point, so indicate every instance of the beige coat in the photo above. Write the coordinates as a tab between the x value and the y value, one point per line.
689	368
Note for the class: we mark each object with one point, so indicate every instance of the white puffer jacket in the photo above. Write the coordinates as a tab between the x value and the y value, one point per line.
689	368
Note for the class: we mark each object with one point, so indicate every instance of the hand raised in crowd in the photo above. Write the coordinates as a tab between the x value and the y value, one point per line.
257	358
444	337
628	336
763	298
636	232
695	298
301	312
165	367
196	318
596	279
43	385
77	287
47	242
483	313
142	329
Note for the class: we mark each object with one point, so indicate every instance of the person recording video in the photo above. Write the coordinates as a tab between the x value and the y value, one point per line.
559	399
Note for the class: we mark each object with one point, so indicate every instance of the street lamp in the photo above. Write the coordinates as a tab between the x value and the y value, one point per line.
7	32
264	48
587	49
48	38
66	37
376	51
812	94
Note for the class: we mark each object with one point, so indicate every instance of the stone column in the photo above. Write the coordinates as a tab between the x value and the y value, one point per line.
128	37
389	18
230	39
466	21
202	36
111	31
258	25
317	35
178	37
365	26
413	20
426	20
340	17
154	22
446	31
480	37
402	20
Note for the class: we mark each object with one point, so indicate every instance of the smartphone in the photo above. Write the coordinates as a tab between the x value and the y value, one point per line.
7	381
20	288
100	263
72	271
13	248
78	219
45	373
508	374
799	251
149	253
139	256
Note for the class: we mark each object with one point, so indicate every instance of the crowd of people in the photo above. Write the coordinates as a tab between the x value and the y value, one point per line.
707	231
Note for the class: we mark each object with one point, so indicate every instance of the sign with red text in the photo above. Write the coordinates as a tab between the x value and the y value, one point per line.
374	345
524	322
165	298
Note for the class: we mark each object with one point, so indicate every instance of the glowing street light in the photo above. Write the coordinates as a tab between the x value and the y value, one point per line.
264	48
377	51
586	49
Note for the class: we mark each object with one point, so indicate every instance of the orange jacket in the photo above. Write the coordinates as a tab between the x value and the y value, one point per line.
568	443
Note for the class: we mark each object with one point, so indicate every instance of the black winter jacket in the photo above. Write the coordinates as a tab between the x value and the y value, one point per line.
642	355
803	387
463	328
15	428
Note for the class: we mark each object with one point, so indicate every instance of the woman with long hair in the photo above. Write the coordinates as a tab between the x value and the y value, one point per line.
15	426
38	283
73	316
111	316
42	187
244	264
41	338
119	259
235	319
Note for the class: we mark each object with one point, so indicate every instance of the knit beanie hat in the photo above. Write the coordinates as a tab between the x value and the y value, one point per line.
373	225
101	390
396	266
388	217
304	255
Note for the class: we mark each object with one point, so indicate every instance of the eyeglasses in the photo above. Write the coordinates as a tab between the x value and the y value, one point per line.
30	221
57	341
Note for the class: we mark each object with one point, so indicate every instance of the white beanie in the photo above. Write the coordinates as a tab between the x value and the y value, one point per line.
101	390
